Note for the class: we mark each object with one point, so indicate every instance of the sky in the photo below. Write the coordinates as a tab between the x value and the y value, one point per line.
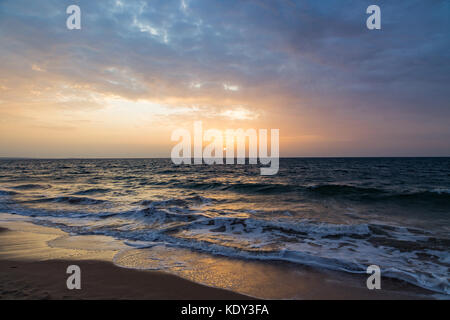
137	70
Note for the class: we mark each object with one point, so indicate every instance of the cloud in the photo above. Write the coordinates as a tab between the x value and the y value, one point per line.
301	59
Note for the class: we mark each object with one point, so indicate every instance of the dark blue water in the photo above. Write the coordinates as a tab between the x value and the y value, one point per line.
342	214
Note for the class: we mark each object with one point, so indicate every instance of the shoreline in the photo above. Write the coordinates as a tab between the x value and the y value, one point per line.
46	279
32	269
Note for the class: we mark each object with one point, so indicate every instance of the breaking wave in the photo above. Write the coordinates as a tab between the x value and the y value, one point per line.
409	254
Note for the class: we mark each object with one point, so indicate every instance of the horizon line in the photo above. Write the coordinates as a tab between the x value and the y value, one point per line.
143	158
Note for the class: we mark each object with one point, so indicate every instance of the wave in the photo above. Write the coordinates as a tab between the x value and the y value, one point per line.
31	186
441	191
427	198
7	193
413	255
189	201
71	200
437	196
336	189
92	191
260	188
324	190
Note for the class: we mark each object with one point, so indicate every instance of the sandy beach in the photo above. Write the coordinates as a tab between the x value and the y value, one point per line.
29	269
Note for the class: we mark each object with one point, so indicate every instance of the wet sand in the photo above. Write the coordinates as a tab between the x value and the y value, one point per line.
100	280
29	269
32	266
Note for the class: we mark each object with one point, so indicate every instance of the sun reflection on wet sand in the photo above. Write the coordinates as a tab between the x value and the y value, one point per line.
261	279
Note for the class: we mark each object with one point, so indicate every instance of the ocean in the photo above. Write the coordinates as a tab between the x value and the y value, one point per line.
340	214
